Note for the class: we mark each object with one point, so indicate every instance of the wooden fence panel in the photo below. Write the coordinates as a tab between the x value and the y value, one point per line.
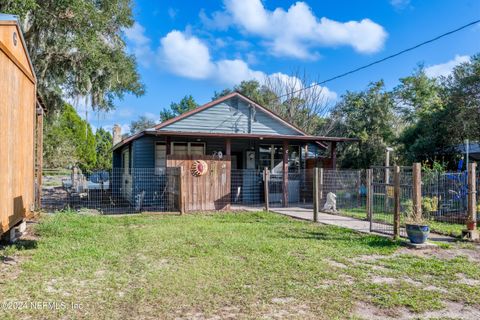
210	191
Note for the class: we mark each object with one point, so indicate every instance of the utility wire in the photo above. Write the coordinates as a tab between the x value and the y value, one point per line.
383	59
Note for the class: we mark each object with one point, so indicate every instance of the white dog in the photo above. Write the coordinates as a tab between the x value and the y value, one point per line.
331	204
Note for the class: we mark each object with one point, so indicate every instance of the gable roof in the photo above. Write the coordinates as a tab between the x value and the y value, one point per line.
13	20
303	136
224	98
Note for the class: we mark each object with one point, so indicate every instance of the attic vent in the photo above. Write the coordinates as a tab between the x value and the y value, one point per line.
14	38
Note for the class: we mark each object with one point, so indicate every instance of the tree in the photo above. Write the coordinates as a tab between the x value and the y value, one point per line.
141	124
103	148
418	96
369	116
69	140
77	49
186	104
445	112
299	102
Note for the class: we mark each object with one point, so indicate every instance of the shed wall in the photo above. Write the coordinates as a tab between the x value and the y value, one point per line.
17	136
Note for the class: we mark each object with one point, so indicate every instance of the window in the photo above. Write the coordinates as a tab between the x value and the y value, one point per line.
265	155
293	158
180	148
271	156
126	163
188	148
160	157
197	149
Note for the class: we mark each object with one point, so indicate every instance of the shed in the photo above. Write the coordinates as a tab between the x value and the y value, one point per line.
21	119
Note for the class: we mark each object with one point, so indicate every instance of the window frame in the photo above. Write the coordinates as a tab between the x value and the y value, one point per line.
158	169
172	146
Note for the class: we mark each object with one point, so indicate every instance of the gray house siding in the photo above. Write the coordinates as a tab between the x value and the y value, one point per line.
232	116
145	179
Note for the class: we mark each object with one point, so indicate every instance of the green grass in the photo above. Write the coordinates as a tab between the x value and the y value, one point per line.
449	229
243	265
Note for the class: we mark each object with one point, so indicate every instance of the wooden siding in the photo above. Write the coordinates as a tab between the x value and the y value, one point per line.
17	53
17	134
144	152
232	116
208	192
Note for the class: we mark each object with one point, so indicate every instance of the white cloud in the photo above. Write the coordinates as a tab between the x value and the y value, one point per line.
172	13
188	57
139	44
291	84
295	32
400	4
185	55
234	71
444	69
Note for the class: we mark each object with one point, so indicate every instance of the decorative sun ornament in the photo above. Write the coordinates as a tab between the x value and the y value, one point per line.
199	168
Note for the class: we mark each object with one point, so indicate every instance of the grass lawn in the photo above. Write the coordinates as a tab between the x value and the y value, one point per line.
449	229
232	265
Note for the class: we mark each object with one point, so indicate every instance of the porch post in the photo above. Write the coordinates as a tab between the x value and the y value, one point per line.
285	173
167	146
228	147
333	154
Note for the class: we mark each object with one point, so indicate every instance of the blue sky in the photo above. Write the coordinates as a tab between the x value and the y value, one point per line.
198	47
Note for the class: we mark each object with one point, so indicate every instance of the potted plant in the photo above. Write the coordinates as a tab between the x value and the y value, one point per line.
417	229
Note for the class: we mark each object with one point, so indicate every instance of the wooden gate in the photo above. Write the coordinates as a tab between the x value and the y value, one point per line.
203	191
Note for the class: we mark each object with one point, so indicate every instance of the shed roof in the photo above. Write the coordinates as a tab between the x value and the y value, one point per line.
13	20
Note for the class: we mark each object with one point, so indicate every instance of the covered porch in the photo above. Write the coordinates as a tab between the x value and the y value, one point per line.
288	159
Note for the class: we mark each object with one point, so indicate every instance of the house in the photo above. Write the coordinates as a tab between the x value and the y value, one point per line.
21	118
236	138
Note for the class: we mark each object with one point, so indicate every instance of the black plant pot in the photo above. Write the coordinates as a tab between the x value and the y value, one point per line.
417	233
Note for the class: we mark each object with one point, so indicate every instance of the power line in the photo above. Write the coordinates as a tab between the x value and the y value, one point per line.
383	59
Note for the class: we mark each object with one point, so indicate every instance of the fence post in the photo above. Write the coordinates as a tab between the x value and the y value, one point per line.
359	186
266	180
316	200
320	185
396	195
471	233
180	191
369	196
417	191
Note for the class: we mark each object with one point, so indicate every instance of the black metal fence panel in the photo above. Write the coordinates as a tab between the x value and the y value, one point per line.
111	191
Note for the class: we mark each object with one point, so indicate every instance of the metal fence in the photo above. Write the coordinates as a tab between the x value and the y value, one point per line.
111	192
146	190
349	189
442	196
445	197
382	199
